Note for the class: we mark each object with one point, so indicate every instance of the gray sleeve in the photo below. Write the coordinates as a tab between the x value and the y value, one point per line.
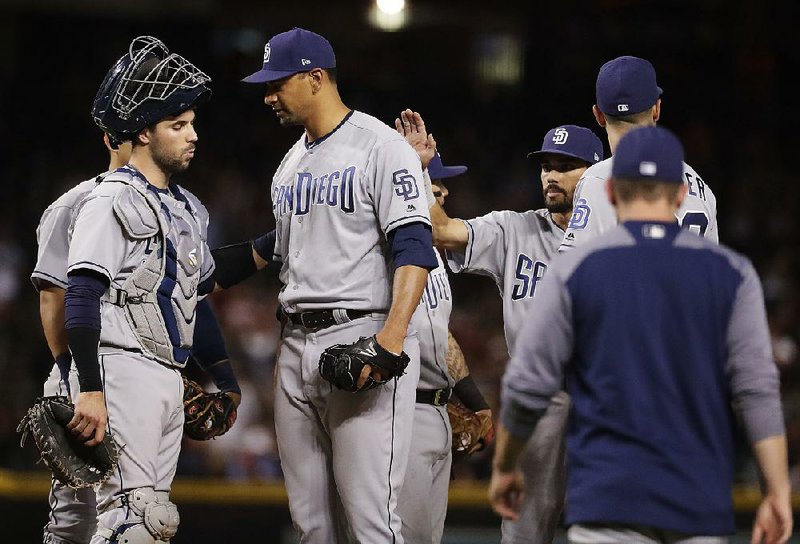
592	213
52	238
398	190
486	247
98	241
755	384
535	371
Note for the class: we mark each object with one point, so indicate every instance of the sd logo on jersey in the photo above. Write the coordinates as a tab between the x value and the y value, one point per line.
580	215
405	185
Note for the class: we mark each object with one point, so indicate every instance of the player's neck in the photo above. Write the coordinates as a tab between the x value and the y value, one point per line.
641	210
561	219
325	118
152	173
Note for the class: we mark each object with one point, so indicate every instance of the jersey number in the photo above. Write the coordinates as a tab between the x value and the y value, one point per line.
696	222
528	275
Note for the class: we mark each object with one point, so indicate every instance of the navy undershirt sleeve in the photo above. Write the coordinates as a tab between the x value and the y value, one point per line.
208	349
412	244
82	323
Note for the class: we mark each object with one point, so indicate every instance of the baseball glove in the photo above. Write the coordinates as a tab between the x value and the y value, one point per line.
472	431
72	462
341	364
206	415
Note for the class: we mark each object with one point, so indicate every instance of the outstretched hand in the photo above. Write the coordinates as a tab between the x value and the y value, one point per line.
411	126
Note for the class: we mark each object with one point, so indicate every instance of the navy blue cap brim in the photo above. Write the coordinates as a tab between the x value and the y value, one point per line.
267	76
534	155
447	172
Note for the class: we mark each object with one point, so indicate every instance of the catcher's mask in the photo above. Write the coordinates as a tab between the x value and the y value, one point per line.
144	86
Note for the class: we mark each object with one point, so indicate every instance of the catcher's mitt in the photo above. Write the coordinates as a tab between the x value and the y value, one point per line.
72	462
206	415
341	364
472	431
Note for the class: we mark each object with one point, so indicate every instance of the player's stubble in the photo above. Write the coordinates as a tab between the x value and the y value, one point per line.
171	162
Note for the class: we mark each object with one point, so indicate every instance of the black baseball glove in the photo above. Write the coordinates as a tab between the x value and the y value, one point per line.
206	415
341	364
72	462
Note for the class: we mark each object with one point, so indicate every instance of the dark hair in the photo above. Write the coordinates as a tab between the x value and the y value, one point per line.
331	74
637	118
627	190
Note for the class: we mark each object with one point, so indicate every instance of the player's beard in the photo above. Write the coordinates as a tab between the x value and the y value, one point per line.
559	204
168	162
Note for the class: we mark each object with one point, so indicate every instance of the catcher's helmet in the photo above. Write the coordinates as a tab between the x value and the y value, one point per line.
144	86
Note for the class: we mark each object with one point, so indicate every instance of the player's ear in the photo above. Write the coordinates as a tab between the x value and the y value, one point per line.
143	137
315	77
610	192
657	111
598	116
682	191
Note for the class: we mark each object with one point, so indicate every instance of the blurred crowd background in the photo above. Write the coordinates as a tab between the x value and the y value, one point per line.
489	78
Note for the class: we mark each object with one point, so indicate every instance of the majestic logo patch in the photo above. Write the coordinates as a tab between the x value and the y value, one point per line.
560	136
266	53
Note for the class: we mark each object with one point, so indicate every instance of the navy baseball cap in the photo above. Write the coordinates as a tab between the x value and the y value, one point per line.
649	153
572	141
626	85
293	51
437	170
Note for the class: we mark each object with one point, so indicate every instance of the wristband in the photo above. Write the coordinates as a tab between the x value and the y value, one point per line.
468	393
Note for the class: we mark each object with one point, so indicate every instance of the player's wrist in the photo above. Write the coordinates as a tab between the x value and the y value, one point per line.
390	341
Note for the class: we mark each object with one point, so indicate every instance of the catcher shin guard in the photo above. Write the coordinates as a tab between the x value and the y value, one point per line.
153	518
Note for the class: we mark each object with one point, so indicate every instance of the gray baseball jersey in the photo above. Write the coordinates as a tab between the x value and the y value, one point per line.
334	201
593	214
326	199
52	235
72	512
106	239
423	498
514	249
431	321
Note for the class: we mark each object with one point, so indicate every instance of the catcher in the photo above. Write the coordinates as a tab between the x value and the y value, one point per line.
138	252
78	468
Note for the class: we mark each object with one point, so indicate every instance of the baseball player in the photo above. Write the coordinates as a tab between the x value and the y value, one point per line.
72	512
354	238
443	371
629	97
515	249
660	371
138	261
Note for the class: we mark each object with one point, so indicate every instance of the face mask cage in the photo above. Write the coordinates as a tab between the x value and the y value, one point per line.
153	74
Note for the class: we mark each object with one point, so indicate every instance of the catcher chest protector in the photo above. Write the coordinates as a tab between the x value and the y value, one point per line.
160	296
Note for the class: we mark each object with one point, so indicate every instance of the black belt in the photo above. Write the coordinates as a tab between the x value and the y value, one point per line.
437	397
316	320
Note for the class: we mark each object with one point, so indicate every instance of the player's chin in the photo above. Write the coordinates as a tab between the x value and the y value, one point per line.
558	205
